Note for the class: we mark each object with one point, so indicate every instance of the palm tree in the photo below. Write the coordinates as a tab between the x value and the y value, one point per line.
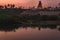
5	6
59	5
8	5
13	6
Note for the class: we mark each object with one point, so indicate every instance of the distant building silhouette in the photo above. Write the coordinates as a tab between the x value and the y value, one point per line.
39	5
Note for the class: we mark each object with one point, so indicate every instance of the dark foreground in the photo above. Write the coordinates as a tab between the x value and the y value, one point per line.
24	32
29	27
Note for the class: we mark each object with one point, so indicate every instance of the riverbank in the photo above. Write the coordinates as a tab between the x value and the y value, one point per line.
29	19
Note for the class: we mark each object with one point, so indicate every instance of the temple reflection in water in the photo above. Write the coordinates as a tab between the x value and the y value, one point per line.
14	27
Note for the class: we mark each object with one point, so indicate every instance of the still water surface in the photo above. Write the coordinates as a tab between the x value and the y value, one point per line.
31	34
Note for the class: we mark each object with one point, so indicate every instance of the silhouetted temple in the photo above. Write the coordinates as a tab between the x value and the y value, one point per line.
39	5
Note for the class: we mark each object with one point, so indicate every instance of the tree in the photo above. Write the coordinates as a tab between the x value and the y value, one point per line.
59	5
5	6
10	5
13	6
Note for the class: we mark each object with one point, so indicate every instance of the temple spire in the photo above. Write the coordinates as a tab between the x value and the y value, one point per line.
39	5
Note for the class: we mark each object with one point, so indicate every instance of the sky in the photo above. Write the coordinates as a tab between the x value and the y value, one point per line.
27	3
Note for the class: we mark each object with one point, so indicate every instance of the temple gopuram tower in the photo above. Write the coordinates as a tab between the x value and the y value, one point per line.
39	5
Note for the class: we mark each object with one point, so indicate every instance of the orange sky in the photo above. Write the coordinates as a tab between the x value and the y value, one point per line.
27	3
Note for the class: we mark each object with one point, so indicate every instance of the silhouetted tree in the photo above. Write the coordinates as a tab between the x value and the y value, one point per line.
8	5
5	6
13	5
49	7
59	5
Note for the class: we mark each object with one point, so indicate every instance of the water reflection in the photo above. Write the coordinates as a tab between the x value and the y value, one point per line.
14	27
19	32
7	28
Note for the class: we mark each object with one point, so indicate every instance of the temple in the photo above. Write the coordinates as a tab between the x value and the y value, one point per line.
39	5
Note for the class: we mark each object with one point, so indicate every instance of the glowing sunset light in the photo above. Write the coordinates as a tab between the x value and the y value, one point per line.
27	3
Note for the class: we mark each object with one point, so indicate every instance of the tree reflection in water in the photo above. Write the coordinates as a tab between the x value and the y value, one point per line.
14	27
